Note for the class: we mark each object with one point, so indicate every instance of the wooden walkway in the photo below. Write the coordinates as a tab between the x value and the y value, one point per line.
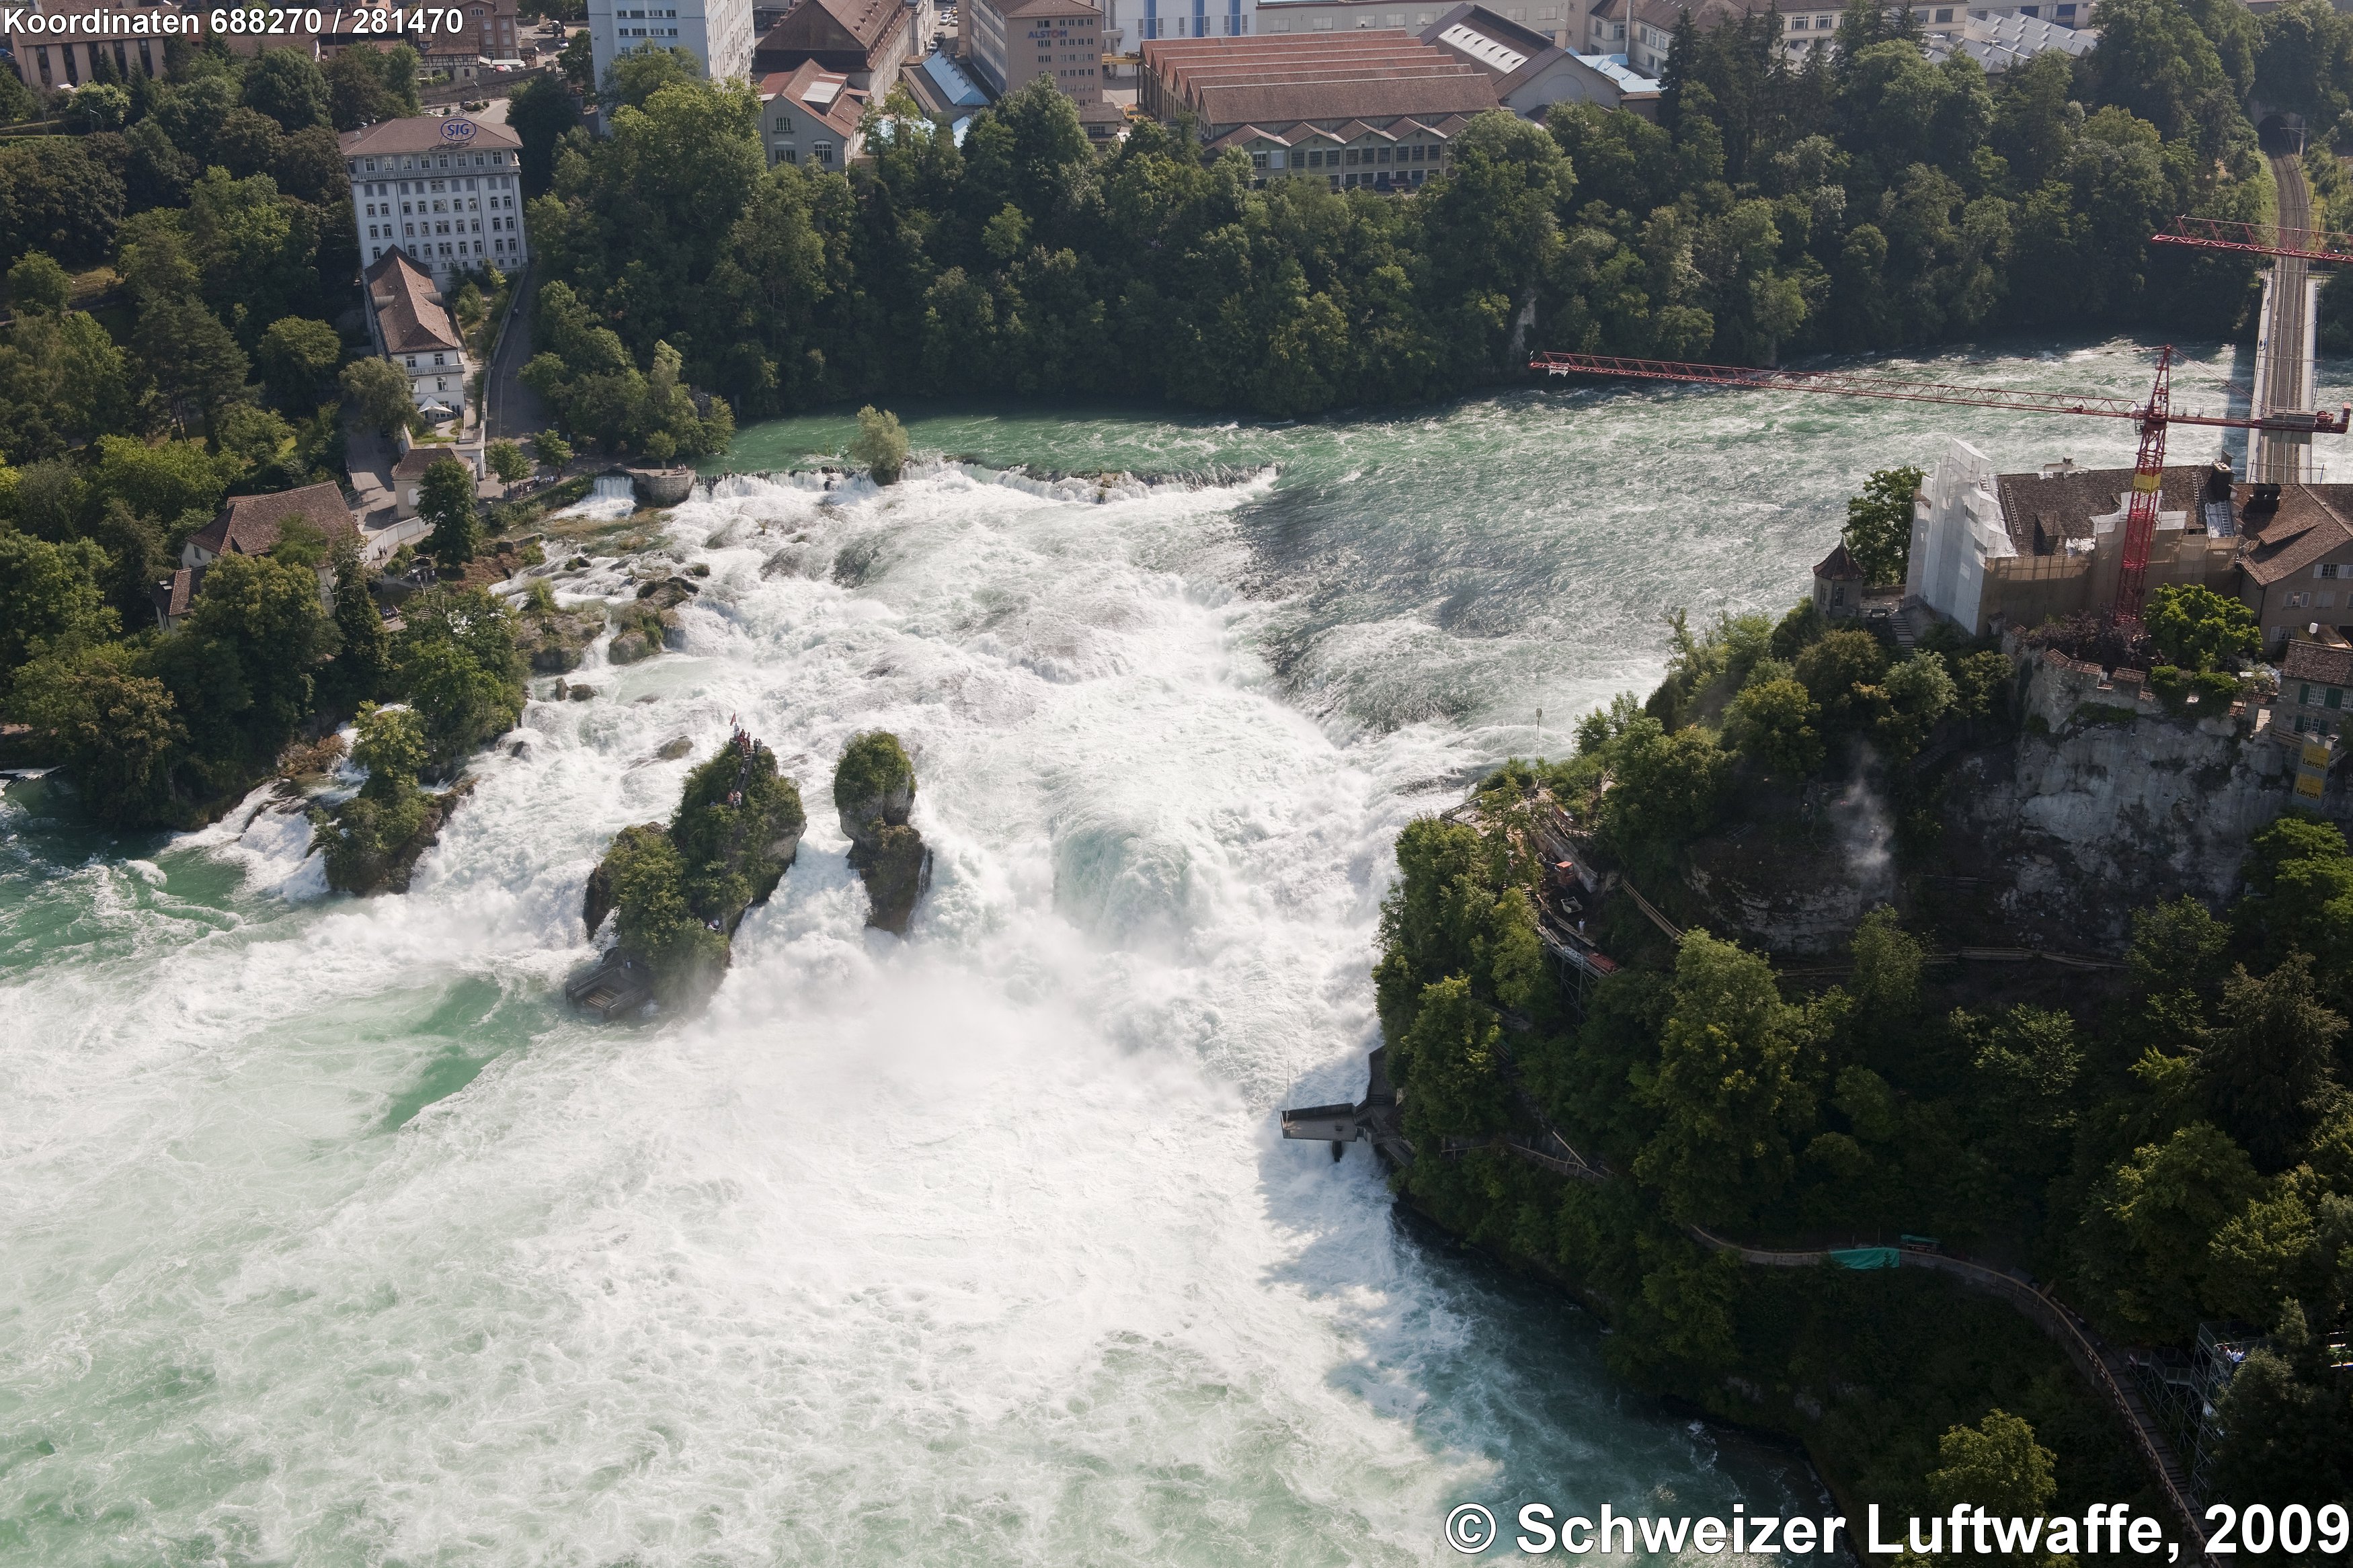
2107	1371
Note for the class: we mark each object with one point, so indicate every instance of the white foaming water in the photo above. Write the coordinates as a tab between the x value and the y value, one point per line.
609	497
334	1240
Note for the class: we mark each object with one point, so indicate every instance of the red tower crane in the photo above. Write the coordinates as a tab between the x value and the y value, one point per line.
2153	416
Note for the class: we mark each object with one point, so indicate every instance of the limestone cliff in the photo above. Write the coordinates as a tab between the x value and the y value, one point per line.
2105	803
2101	801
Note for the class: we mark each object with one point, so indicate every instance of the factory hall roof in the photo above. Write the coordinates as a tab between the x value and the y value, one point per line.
1280	80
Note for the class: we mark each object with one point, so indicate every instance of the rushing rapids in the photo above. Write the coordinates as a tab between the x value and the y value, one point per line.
335	1237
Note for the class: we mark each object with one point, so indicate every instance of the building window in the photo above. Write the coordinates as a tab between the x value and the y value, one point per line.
821	150
1258	159
2326	570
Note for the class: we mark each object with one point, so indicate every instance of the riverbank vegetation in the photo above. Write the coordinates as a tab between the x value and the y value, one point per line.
172	275
1865	200
2170	1144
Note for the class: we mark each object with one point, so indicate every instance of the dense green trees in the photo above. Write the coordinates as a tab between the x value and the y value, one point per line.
1878	532
1735	1085
446	498
1869	203
455	658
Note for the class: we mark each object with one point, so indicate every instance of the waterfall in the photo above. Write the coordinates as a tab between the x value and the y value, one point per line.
610	496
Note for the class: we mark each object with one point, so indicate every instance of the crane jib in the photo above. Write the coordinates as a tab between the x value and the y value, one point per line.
2152	417
1889	388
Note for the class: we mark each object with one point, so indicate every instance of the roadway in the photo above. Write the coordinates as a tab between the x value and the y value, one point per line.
2284	366
513	410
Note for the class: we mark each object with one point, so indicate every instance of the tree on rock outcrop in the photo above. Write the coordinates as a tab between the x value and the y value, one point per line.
881	443
874	789
738	827
679	892
373	840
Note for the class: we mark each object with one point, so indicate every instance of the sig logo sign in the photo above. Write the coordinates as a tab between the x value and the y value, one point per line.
458	132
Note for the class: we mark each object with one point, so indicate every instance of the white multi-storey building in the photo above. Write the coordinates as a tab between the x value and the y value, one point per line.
719	33
446	191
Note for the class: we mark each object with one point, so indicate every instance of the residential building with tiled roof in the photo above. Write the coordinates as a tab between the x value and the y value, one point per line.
2296	563
411	327
809	116
864	40
1016	42
446	189
253	525
2316	675
174	596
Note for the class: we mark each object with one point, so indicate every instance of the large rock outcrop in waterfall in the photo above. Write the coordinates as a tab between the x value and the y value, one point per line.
874	789
677	893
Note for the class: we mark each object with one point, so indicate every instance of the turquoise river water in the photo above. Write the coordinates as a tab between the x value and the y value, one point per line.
331	1238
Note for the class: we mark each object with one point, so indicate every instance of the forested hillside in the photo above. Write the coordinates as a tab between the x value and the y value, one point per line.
2170	1145
1866	201
176	258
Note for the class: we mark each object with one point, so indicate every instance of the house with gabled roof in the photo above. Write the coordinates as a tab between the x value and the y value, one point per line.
411	327
255	525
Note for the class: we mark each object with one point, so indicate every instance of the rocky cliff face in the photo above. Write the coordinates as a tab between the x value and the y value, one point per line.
2078	826
2102	803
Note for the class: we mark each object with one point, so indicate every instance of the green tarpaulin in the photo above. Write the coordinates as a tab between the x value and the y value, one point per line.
1866	1257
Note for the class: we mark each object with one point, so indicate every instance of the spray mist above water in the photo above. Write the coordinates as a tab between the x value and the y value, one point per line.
334	1239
